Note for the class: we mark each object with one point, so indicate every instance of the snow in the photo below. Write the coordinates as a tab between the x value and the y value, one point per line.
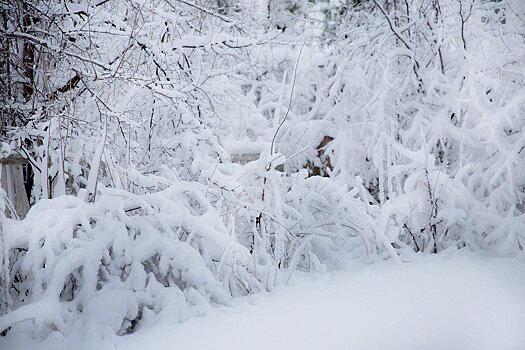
187	154
245	146
459	302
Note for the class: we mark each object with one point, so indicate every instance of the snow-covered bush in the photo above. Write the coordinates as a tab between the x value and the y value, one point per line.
426	108
120	260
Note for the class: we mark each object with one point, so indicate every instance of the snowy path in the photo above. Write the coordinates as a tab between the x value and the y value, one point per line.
464	303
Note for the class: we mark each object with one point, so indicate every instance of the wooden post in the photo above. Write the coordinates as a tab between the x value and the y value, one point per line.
13	183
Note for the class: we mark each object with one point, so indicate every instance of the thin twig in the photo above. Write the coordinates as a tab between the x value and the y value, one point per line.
289	100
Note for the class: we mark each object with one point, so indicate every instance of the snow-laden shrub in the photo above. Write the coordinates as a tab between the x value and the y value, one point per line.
116	262
291	221
124	260
338	224
427	109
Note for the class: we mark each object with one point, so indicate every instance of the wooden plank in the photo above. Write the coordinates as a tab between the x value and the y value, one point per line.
12	182
21	200
244	158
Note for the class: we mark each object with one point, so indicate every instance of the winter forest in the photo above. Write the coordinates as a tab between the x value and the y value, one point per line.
262	174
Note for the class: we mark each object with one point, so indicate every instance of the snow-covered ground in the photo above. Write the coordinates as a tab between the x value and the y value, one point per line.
465	302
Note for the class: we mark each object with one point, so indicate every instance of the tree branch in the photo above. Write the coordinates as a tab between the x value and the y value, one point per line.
44	43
